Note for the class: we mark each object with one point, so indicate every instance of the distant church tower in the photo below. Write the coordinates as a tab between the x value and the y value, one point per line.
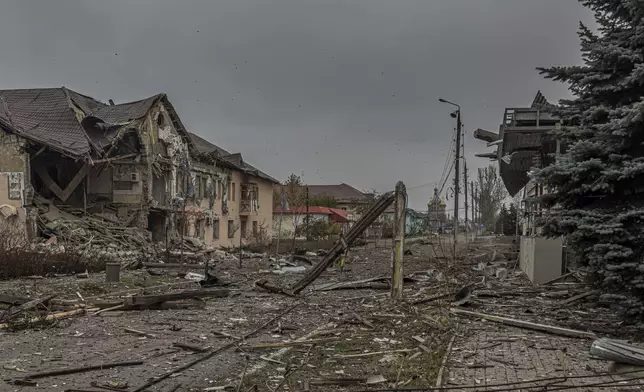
436	210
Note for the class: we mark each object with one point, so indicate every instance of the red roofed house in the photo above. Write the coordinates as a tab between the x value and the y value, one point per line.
292	218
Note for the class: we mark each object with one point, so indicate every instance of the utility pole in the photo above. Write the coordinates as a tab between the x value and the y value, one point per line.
465	195
457	168
308	227
472	191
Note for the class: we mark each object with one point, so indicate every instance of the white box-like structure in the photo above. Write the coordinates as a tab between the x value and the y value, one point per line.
541	258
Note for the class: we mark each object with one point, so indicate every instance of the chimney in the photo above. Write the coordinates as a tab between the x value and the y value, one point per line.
111	102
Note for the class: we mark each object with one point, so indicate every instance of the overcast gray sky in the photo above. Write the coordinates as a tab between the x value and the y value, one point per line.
343	91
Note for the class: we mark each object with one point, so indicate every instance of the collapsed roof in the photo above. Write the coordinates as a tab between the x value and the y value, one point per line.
55	117
81	126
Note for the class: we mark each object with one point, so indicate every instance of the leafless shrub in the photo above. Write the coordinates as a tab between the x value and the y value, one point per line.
20	258
259	240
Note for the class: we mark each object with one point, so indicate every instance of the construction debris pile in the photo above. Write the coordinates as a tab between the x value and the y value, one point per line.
105	237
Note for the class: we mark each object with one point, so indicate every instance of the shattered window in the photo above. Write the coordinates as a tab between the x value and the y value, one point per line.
215	230
197	186
231	229
179	187
244	228
255	228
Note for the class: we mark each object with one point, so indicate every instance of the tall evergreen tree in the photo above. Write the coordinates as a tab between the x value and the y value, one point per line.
597	184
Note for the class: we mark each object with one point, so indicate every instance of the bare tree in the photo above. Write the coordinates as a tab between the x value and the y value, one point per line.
295	193
491	195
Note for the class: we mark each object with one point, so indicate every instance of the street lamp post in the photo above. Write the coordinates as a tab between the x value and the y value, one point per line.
457	166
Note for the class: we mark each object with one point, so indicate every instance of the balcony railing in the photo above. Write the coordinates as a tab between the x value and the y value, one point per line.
249	201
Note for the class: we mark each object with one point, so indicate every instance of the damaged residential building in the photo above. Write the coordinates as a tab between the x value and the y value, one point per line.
70	162
524	143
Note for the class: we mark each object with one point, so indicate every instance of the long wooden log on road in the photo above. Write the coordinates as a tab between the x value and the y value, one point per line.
344	242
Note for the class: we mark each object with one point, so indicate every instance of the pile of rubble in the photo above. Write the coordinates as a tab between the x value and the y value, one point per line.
104	237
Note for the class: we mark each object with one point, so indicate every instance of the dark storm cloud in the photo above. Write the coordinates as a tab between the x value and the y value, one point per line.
344	91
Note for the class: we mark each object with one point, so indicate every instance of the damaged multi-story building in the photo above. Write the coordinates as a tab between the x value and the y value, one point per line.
132	165
525	143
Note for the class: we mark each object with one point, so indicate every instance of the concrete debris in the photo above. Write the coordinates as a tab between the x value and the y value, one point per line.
195	277
289	270
8	211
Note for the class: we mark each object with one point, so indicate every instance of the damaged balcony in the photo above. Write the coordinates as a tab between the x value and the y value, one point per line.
249	202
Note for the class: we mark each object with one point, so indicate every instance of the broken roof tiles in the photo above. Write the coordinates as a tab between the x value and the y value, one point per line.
50	116
45	115
236	160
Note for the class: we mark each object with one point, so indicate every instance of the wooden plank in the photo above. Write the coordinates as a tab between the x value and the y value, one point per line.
525	324
147	300
578	297
26	306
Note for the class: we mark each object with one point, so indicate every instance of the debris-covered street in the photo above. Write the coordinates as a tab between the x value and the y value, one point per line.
322	196
351	336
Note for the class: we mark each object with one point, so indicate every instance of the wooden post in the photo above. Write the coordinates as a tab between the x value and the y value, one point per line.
399	243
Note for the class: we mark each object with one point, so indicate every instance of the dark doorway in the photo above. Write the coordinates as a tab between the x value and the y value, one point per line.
157	225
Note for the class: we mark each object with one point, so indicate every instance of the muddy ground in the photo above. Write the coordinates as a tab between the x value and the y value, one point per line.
363	339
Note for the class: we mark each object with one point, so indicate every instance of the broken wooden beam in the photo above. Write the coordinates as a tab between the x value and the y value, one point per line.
579	296
12	312
190	347
140	333
150	300
525	324
345	241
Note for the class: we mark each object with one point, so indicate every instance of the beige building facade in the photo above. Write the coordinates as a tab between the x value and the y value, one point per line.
134	165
